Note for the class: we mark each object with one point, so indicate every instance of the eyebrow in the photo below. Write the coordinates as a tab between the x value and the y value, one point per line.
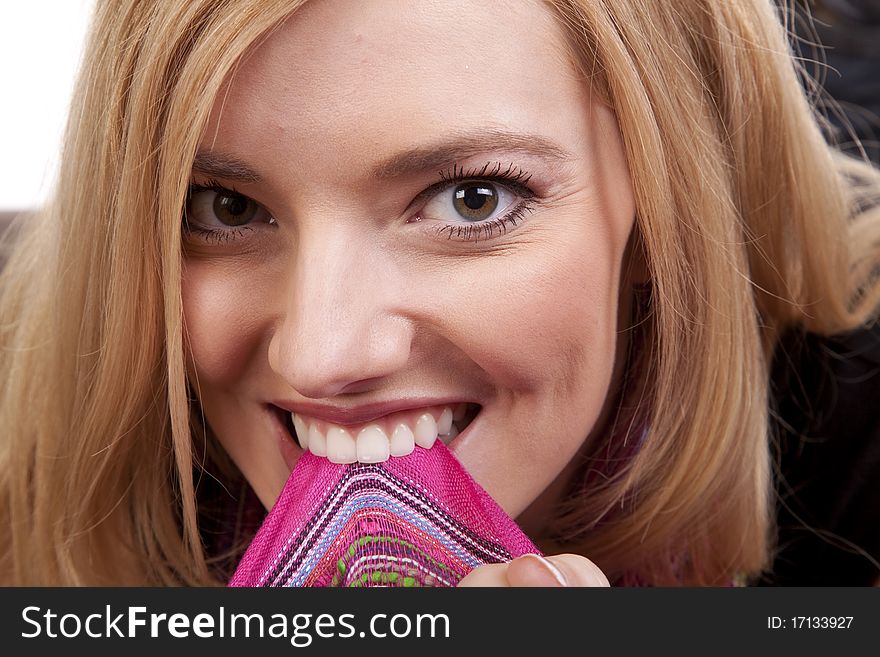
468	144
225	166
429	157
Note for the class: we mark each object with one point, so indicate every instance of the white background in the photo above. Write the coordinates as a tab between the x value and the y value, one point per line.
40	46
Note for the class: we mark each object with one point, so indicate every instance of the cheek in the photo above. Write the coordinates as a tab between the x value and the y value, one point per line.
224	311
545	318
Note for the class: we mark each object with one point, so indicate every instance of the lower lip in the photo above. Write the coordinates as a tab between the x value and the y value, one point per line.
291	452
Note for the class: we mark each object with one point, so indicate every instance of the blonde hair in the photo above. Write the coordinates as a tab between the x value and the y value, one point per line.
742	216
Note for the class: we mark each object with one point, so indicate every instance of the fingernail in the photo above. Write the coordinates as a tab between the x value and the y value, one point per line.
551	569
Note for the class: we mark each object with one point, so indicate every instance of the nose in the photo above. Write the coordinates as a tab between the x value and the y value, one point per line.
343	329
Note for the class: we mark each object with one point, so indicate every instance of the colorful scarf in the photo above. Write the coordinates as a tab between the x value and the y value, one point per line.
419	520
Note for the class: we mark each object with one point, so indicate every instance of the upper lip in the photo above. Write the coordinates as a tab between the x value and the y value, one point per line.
362	413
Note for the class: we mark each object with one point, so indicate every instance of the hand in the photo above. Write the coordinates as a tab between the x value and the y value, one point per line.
532	570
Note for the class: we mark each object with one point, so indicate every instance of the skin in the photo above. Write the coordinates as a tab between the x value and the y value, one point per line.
342	292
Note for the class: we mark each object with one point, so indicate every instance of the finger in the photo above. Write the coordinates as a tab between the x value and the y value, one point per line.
532	570
578	570
490	574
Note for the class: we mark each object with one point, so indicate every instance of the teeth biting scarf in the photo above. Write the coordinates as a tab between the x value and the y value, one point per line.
418	520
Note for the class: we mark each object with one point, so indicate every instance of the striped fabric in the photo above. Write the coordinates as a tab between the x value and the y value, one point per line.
419	520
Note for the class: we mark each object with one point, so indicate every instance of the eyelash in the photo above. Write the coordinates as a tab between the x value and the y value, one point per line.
212	235
512	177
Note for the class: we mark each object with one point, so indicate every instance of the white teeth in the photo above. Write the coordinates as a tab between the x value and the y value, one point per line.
402	440
341	447
302	431
453	432
317	442
444	424
372	445
426	431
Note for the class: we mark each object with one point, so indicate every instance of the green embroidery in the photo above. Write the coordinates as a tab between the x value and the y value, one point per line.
409	579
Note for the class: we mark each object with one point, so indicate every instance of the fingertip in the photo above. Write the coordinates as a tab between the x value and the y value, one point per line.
579	571
534	570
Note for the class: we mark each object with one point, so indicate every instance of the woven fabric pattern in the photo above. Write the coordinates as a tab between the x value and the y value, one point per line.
419	520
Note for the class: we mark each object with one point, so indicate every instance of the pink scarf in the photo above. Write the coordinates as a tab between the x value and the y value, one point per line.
419	520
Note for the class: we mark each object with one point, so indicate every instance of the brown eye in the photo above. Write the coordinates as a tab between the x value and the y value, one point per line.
223	208
234	209
473	205
475	201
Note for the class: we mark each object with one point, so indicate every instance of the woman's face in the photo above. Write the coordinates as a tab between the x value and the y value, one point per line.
439	216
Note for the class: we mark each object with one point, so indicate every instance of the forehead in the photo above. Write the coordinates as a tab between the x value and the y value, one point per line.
391	71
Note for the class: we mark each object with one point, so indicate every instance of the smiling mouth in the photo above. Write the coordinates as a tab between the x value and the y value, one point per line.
396	434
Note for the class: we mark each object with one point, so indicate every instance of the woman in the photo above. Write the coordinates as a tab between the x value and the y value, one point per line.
580	228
